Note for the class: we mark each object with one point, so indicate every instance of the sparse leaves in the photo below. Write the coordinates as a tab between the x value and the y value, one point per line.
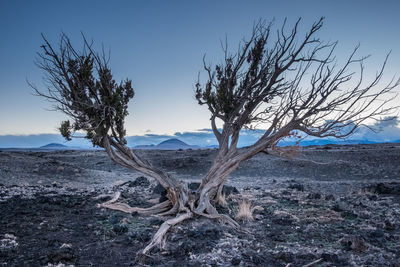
288	82
65	130
82	86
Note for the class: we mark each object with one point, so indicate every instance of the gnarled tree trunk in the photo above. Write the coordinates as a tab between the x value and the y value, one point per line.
182	203
264	82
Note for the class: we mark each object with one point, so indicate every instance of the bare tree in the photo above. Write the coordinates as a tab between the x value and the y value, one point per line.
81	85
289	84
264	82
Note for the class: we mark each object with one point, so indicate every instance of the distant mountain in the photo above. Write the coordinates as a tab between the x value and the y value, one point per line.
38	140
202	138
54	146
321	142
145	147
170	144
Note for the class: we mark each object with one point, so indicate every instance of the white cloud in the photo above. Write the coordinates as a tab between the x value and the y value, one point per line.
384	131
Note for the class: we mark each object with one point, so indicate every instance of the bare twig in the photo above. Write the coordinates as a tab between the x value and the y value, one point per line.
313	263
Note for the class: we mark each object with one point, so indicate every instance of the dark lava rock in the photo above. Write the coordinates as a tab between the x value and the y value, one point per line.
329	197
236	261
114	219
253	257
120	228
227	189
222	209
388	188
159	190
134	201
296	186
314	196
287	220
143	235
163	198
349	215
192	160
59	200
199	240
330	257
206	232
355	243
376	237
156	221
378	233
392	188
193	186
140	181
64	254
61	256
389	225
285	256
306	257
338	207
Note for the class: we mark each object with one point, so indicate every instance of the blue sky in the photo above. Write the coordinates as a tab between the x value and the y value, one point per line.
160	46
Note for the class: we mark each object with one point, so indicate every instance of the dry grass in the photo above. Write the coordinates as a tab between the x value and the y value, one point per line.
245	211
289	152
222	200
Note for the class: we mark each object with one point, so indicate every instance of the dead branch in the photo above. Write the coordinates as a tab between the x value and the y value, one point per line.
313	263
289	84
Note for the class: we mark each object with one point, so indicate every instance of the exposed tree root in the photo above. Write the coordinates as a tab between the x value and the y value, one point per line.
183	208
172	211
114	205
212	213
222	218
313	263
103	196
159	237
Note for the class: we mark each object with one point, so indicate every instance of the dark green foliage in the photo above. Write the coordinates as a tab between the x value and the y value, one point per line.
290	82
237	81
83	87
65	130
261	72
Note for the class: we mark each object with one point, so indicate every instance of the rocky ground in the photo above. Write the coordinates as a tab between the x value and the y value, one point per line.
331	205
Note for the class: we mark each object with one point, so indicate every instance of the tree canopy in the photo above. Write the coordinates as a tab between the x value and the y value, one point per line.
82	86
289	82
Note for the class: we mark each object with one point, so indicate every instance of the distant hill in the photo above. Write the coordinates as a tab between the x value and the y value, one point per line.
170	144
54	146
201	139
321	142
173	144
145	147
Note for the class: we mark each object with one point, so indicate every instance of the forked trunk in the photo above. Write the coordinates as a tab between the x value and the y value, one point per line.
211	185
181	203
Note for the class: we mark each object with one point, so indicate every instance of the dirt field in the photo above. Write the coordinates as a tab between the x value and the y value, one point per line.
339	205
